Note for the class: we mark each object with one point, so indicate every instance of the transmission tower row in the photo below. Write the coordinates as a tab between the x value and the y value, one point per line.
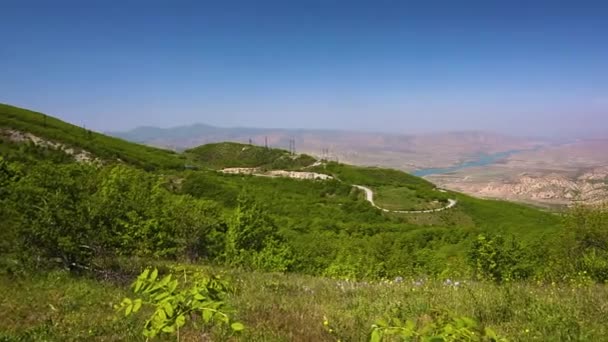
326	155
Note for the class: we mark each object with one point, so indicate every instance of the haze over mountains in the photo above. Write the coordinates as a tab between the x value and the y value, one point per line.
535	170
404	151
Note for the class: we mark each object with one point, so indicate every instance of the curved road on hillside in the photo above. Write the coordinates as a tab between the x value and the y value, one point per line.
369	196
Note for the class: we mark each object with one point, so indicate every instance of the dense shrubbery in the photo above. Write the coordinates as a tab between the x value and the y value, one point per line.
54	210
76	213
117	216
80	215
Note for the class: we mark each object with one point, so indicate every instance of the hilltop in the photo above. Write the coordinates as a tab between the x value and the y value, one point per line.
22	125
228	154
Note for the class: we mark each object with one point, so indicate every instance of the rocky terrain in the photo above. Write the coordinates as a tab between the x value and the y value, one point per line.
546	172
551	176
20	137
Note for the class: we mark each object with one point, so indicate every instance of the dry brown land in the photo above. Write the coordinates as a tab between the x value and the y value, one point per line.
553	175
550	176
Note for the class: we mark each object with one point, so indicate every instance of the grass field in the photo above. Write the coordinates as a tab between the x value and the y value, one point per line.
403	198
275	307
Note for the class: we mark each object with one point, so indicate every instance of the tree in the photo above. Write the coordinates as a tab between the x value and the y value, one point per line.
54	203
252	239
588	240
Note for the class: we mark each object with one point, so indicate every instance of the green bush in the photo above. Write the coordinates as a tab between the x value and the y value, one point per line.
174	305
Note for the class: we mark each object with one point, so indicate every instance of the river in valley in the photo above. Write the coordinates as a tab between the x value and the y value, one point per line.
481	160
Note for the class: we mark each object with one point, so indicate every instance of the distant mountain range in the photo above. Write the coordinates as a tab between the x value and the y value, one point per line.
402	151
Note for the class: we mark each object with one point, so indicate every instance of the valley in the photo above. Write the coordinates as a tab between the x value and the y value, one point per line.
552	176
303	171
545	172
281	245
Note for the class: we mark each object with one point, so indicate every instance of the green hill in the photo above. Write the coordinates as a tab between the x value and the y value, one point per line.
100	145
97	219
229	154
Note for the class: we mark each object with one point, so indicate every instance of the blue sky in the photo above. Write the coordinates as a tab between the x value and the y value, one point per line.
520	67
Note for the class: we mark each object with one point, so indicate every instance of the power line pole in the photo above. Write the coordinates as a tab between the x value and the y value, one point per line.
292	146
266	141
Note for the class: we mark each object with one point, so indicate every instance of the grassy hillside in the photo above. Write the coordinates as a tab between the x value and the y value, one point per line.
276	307
227	154
101	146
73	235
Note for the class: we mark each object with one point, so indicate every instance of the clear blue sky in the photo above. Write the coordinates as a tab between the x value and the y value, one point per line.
525	67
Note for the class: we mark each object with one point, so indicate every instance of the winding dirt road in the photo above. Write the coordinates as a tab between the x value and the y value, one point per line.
369	196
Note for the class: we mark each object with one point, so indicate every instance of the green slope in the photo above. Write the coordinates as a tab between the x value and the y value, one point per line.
133	218
320	219
229	154
100	145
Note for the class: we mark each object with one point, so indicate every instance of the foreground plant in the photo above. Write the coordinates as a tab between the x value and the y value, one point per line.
173	306
444	329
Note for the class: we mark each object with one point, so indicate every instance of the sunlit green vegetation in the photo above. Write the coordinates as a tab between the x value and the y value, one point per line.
102	146
404	198
74	235
58	306
228	154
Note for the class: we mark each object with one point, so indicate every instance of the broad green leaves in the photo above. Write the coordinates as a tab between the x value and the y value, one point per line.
174	305
442	329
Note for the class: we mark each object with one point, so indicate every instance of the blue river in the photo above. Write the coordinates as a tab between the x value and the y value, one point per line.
482	160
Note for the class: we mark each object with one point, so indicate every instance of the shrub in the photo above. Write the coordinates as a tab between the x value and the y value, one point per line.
173	306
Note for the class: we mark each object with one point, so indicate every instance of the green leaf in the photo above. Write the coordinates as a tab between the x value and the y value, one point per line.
165	281
236	326
382	323
128	310
410	325
207	315
376	336
491	333
160	313
154	275
172	286
136	305
168	309
161	296
169	329
180	320
144	274
138	285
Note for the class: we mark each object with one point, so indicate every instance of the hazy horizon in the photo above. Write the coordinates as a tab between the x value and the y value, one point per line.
520	69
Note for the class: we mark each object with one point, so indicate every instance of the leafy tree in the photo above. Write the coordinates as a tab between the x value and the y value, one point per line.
252	239
55	209
588	240
496	259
